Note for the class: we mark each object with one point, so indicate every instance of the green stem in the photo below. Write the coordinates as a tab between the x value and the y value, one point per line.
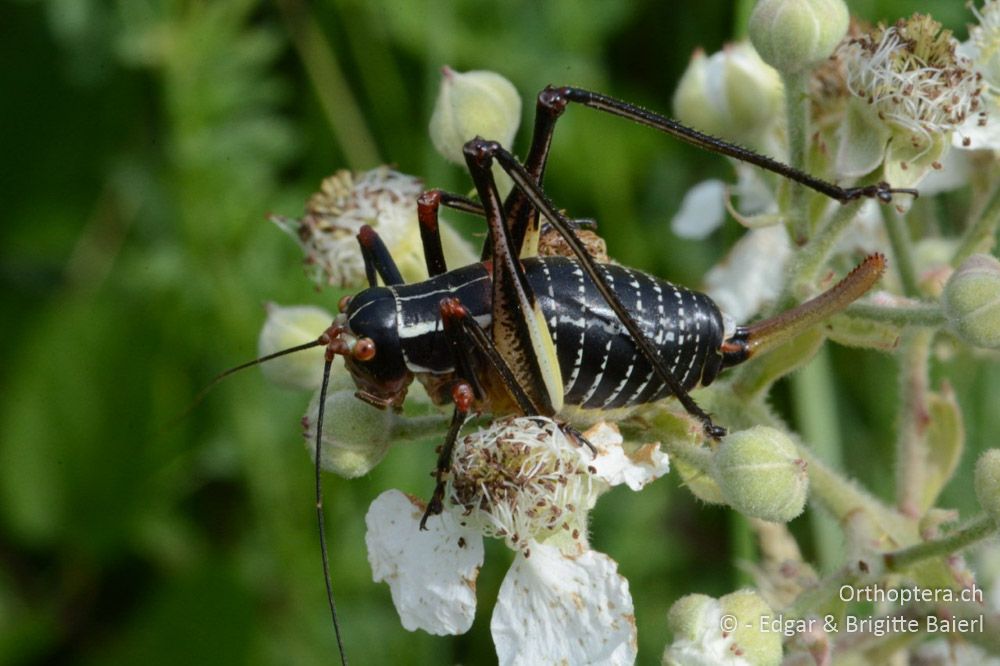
902	251
811	259
979	237
815	412
413	428
911	441
797	112
909	314
975	530
698	457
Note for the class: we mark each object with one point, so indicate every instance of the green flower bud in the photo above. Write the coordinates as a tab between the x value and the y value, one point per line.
471	104
709	631
794	35
971	301
287	327
749	641
356	435
988	483
686	617
761	474
732	93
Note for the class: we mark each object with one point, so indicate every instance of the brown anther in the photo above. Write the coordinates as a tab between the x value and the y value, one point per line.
344	302
364	350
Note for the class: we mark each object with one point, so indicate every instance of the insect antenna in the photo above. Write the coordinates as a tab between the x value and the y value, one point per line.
230	371
320	517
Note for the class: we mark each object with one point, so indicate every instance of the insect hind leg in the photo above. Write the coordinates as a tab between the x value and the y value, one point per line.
480	154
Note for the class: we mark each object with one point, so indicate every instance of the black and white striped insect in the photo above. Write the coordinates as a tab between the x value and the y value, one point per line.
522	332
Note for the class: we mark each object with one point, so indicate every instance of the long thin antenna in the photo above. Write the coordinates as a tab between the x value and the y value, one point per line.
225	373
319	511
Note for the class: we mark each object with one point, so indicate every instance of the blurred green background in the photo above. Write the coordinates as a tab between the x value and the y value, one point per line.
144	143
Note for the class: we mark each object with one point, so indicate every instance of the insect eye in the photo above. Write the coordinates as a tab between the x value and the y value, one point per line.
364	350
343	303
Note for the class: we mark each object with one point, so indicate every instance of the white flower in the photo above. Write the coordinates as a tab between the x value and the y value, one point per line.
911	90
752	274
523	481
382	198
982	131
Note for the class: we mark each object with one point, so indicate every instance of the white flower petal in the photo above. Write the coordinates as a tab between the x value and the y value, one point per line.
556	609
615	467
431	573
752	273
702	210
974	134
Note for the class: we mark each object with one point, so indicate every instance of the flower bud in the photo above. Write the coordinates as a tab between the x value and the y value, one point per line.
356	435
686	618
761	474
988	483
287	327
749	640
732	93
471	104
971	301
793	35
710	631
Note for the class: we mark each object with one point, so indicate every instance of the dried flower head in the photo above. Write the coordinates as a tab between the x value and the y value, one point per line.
382	198
521	480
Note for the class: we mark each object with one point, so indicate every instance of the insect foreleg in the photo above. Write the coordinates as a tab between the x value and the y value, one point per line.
538	199
428	205
377	259
470	347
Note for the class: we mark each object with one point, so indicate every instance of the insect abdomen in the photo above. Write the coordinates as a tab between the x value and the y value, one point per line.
601	366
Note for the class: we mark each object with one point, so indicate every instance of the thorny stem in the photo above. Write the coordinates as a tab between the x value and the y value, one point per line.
975	530
902	251
797	112
914	418
979	236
